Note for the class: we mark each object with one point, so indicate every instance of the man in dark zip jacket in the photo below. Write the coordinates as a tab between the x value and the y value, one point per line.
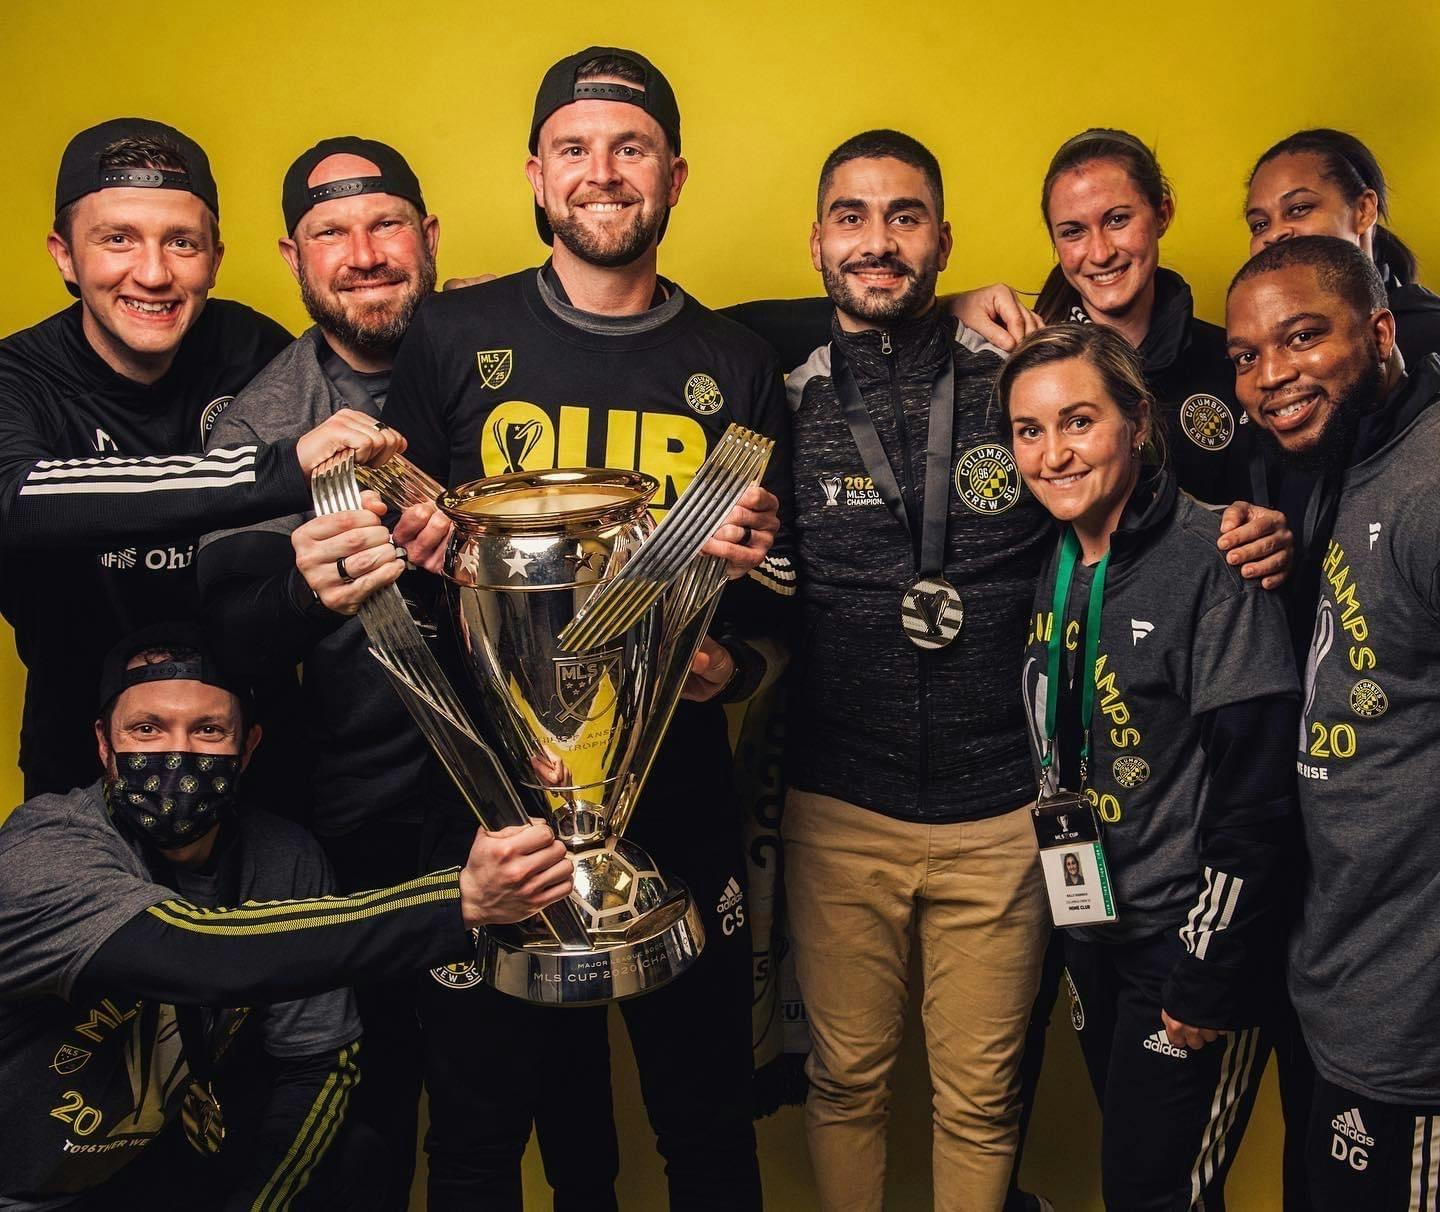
909	772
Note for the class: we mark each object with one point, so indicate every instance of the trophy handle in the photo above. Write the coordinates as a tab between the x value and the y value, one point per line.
679	650
397	644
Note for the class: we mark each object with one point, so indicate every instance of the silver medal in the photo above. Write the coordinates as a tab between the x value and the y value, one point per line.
931	612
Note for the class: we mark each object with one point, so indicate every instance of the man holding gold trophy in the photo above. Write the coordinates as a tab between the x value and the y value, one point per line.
579	629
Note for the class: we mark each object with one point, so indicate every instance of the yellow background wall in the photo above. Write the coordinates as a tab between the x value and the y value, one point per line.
765	91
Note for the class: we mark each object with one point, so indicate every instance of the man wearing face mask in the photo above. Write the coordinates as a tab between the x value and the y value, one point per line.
165	957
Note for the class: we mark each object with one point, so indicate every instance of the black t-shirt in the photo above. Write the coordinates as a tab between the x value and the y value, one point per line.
507	376
93	550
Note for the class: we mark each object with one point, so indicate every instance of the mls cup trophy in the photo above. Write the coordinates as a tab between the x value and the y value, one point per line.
576	618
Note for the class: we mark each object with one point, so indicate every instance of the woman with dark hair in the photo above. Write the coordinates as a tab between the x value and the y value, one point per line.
1106	204
1162	694
1326	182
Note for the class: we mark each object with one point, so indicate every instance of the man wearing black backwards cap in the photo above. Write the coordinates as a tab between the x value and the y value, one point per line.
361	243
594	359
126	976
103	412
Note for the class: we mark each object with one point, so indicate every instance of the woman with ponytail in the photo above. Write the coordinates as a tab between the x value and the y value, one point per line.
1106	204
1326	182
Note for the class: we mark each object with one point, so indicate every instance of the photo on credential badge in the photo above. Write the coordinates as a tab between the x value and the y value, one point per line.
1072	860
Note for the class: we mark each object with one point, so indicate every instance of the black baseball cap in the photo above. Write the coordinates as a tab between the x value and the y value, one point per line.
81	172
178	636
560	88
395	177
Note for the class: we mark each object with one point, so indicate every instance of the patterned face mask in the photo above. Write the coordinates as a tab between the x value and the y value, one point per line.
172	799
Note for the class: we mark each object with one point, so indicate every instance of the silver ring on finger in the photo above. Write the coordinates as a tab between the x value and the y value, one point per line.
345	577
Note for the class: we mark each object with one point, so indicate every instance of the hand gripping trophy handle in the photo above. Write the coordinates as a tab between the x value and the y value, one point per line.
397	643
576	618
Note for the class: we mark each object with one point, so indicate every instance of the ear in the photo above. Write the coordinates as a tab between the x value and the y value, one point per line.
947	242
1164	216
1143	425
102	743
252	738
1367	212
290	250
679	174
815	247
1382	326
215	268
537	180
60	253
430	229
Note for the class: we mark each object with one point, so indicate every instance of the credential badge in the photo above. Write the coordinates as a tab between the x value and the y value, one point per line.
495	367
987	479
702	393
1207	422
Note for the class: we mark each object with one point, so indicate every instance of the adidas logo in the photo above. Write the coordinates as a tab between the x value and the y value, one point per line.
1350	1124
1139	629
731	897
1159	1043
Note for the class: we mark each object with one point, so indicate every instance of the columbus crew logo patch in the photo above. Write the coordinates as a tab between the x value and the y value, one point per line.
459	976
986	479
495	367
702	393
1130	771
1207	422
1368	700
211	414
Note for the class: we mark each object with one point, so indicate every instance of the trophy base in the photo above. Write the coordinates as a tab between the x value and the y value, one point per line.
655	949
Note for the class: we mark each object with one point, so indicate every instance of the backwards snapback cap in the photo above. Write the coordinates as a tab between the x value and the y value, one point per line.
81	170
179	636
297	197
560	88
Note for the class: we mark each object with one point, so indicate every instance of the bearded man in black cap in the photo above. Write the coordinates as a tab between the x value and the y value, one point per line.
595	359
361	243
165	955
104	409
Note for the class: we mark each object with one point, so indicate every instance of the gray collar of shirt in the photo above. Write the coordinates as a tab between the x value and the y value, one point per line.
589	321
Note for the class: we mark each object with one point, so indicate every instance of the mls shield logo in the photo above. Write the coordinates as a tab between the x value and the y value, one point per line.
577	683
69	1059
495	367
516	439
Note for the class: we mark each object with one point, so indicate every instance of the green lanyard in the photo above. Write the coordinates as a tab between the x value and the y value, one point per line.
1065	574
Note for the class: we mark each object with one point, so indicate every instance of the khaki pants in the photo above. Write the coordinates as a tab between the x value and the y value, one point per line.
858	885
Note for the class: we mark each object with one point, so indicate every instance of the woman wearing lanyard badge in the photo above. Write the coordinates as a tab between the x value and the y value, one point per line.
1162	698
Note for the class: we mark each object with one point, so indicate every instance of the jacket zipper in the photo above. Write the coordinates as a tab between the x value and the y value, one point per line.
922	680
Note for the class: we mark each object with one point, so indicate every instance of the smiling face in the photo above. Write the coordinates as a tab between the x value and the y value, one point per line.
1291	196
364	262
879	242
1074	446
604	174
1307	364
1107	238
144	261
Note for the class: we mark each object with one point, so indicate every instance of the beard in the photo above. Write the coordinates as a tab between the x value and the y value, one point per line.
878	306
613	249
372	328
1352	402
